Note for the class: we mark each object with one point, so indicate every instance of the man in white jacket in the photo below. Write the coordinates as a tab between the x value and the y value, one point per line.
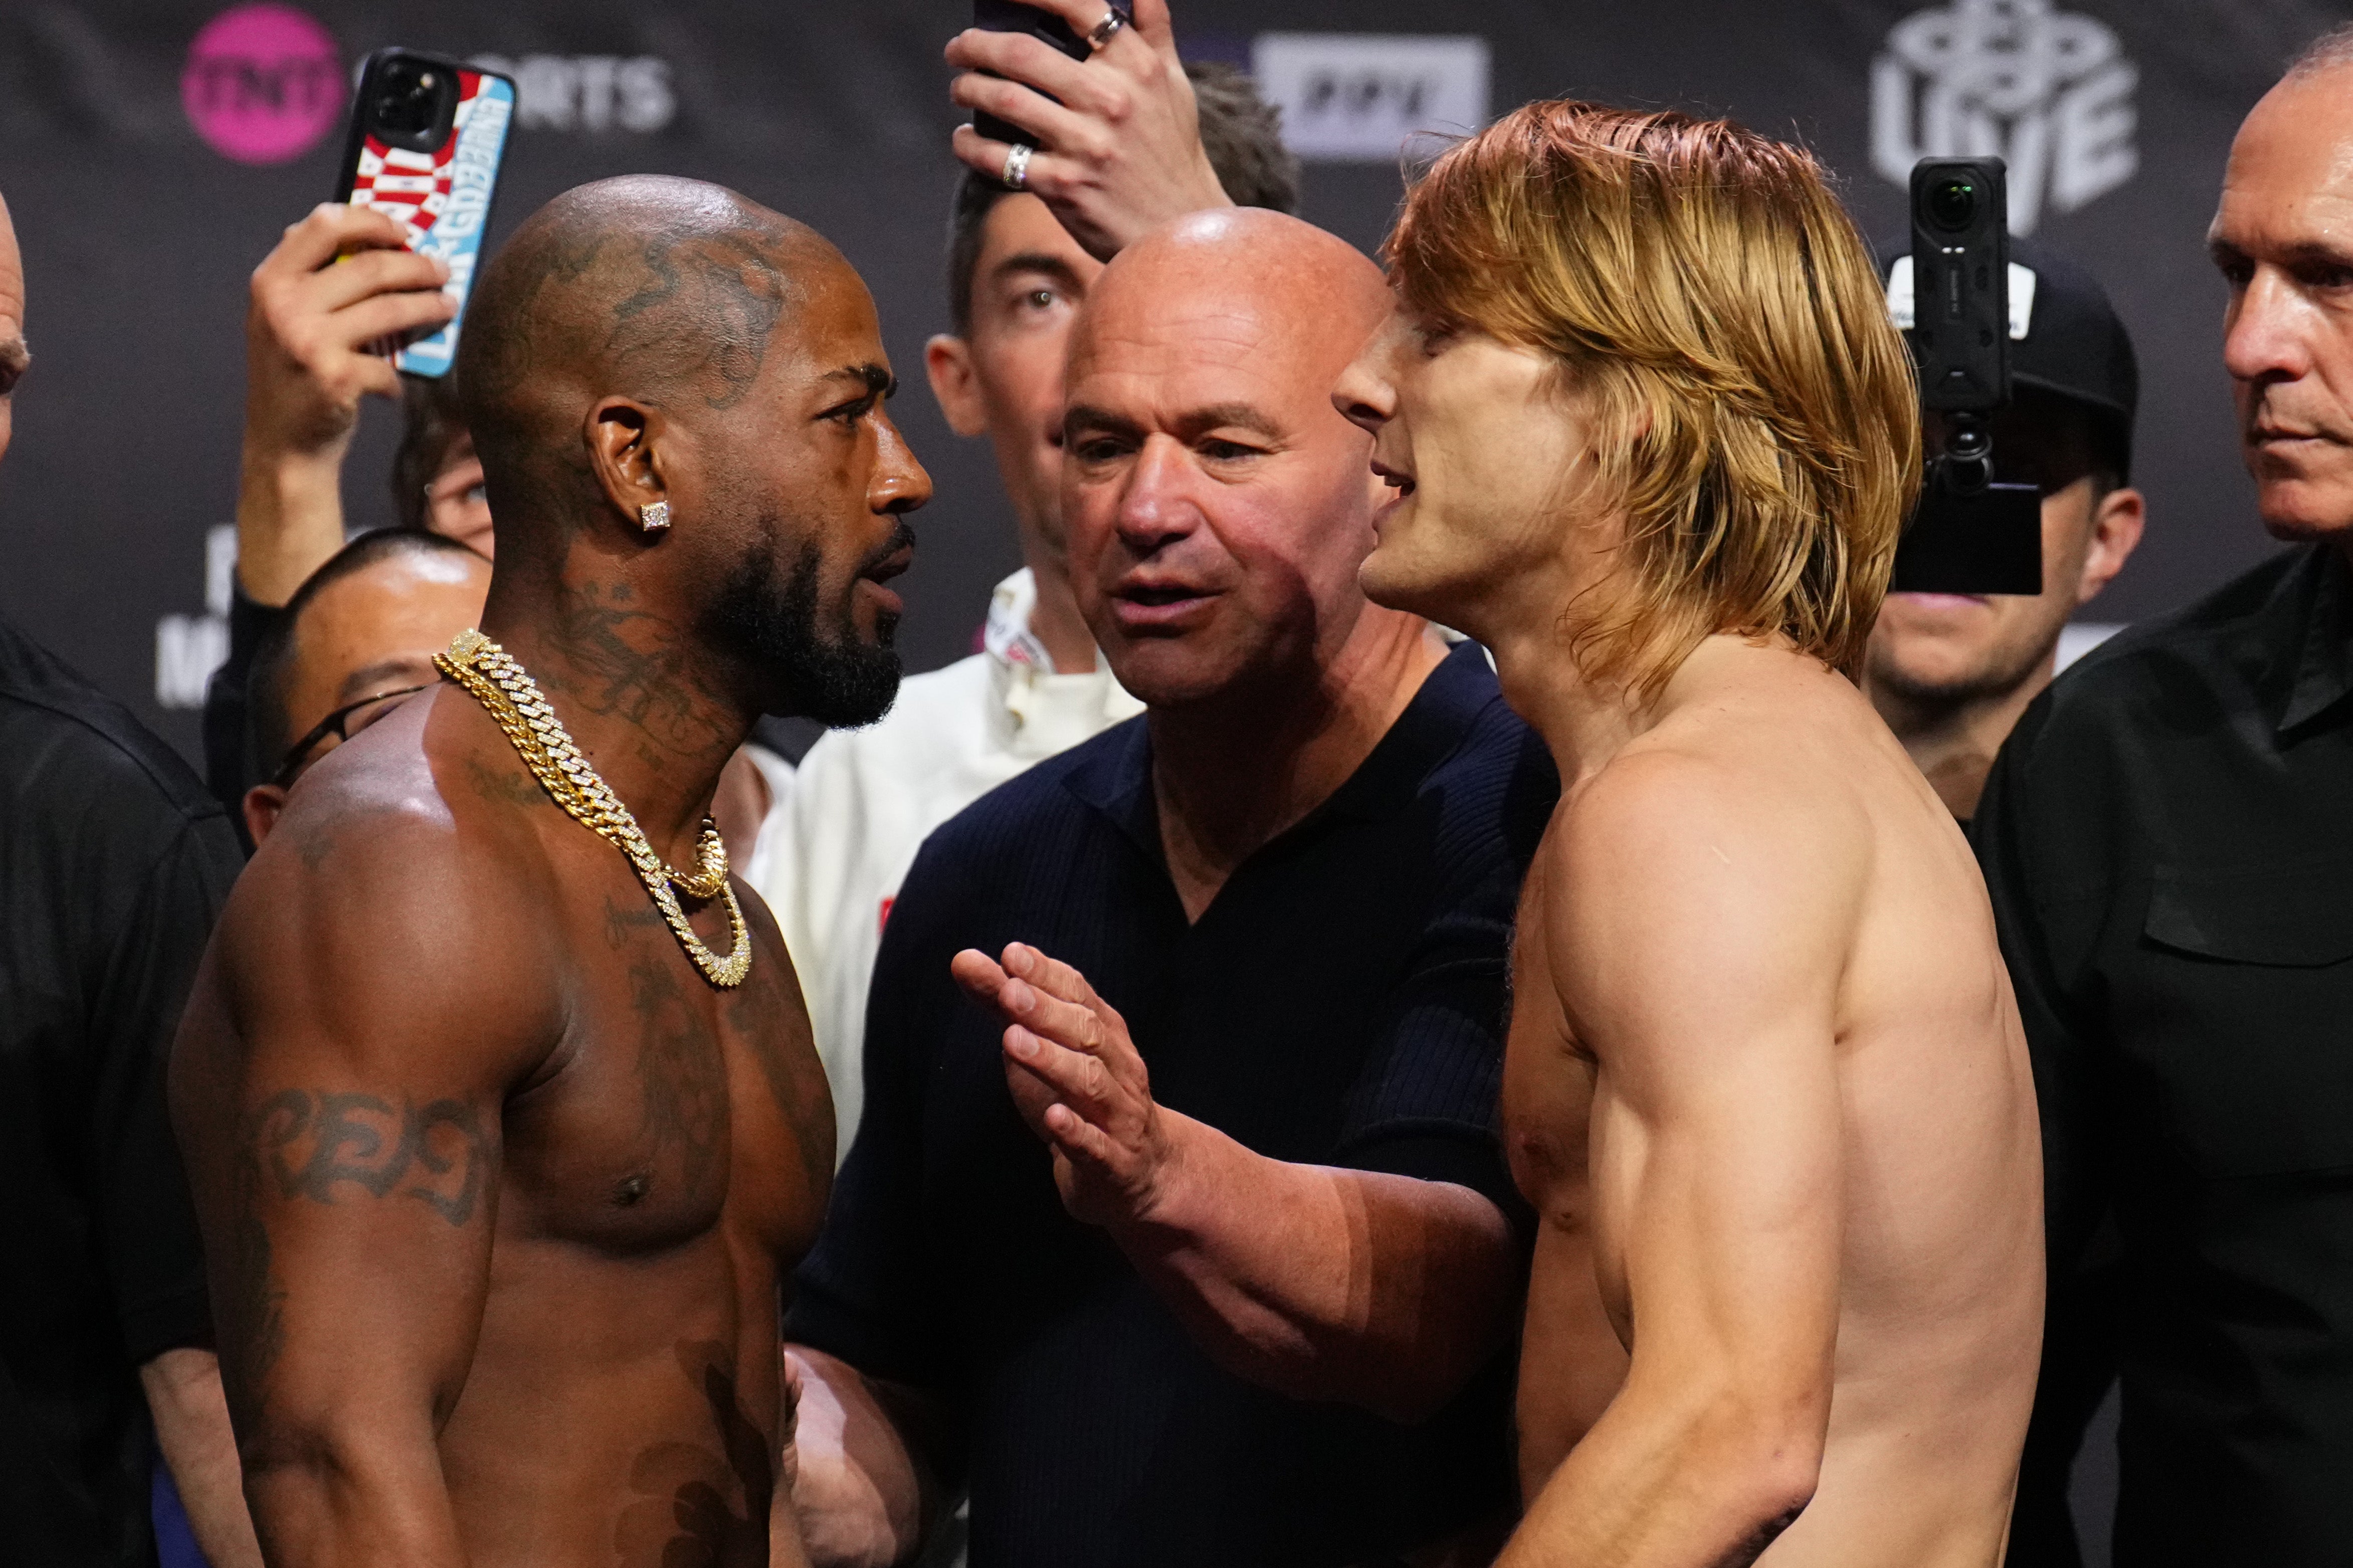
836	845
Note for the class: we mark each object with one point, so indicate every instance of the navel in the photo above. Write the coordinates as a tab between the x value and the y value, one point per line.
630	1189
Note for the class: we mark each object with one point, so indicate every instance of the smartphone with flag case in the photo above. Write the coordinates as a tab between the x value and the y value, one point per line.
426	135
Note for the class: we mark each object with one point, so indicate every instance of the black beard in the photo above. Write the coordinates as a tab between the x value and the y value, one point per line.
772	624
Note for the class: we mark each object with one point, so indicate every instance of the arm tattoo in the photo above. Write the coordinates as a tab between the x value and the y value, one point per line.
315	1142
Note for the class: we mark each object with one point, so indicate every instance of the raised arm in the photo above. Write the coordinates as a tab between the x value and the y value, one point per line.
1383	1291
1120	153
1697	936
307	364
337	1087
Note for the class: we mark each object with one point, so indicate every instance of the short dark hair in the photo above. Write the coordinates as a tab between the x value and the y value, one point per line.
432	426
1240	132
268	728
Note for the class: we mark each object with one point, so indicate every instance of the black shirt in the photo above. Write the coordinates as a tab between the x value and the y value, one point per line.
114	862
228	707
2169	840
1340	1002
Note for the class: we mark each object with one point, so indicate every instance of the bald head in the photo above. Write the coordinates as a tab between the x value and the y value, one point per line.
677	396
12	355
1308	298
667	291
1217	505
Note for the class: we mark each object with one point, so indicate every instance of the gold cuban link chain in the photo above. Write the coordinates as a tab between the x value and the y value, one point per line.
511	697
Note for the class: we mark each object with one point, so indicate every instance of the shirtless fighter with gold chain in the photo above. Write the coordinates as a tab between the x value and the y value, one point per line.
505	1132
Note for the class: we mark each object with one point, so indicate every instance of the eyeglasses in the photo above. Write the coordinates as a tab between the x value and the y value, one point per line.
338	724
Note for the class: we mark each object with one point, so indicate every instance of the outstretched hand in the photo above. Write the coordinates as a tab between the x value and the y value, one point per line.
1121	153
1078	1082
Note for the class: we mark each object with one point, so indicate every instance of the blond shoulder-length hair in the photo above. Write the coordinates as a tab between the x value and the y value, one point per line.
1723	325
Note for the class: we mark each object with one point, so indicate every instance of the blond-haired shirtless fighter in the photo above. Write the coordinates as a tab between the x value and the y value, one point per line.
1652	438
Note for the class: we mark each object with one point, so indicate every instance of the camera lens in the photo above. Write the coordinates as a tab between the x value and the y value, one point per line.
1952	203
405	104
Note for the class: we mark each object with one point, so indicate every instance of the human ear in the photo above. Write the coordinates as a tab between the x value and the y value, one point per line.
2116	526
623	439
262	804
947	360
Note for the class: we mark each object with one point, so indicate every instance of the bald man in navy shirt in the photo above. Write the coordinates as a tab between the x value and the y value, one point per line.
1251	1306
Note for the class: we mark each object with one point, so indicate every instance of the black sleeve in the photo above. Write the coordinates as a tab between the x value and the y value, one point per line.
153	1259
867	1291
1427	1106
226	771
2079	1352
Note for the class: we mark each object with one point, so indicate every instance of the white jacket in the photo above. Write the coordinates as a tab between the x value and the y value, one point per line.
836	845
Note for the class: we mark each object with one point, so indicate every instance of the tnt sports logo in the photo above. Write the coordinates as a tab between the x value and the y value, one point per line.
588	92
263	83
2048	93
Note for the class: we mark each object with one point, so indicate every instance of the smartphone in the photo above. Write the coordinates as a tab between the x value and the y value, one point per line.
1010	17
426	135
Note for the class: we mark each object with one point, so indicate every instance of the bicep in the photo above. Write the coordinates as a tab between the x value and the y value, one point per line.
346	1069
361	1209
1699	948
1723	1201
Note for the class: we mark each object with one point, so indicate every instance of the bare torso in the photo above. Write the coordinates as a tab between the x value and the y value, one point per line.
1938	1272
664	1154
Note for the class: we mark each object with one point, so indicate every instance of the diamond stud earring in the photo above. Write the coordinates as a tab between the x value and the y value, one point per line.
654	516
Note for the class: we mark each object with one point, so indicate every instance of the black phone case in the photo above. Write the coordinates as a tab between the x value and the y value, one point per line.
1010	17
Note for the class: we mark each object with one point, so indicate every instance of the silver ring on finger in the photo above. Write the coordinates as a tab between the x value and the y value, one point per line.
1017	166
1103	31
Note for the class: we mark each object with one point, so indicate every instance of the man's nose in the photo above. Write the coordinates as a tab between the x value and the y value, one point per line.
1363	395
2266	336
1155	506
900	484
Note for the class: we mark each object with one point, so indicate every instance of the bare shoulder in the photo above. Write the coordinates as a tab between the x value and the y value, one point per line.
1725	846
387	896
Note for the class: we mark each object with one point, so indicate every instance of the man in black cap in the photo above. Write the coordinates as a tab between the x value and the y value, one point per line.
1951	672
2169	840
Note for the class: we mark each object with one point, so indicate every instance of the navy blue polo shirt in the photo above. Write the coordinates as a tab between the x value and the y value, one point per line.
1340	1002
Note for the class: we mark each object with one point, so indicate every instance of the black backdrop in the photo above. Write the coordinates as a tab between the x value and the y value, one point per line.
138	235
